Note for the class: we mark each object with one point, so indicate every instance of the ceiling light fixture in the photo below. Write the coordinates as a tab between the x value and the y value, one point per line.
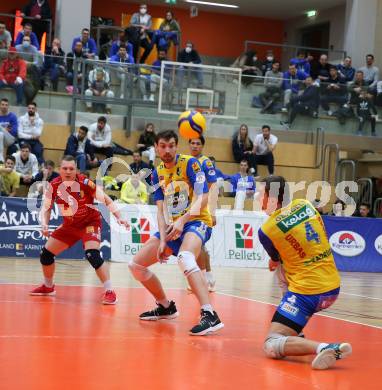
311	14
213	4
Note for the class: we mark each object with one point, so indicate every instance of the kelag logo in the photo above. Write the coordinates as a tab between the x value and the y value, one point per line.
347	243
244	236
296	218
140	230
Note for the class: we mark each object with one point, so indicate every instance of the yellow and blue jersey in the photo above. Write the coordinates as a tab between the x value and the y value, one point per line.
296	236
177	186
208	169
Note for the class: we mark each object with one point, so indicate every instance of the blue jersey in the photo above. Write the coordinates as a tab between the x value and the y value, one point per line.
242	183
208	169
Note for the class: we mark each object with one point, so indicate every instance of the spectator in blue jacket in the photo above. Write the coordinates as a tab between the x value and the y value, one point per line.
27	31
243	185
189	56
8	128
89	47
291	84
122	40
301	62
346	71
305	104
122	59
79	146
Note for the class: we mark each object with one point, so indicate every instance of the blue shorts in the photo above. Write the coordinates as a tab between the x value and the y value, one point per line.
197	227
298	308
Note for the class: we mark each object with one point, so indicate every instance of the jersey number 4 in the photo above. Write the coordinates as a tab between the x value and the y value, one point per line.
311	234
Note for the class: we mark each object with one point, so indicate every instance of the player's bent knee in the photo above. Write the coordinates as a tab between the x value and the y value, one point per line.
187	263
274	345
94	258
46	257
139	272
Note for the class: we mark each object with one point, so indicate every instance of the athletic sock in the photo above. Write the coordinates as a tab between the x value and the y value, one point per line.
48	282
208	308
320	347
107	285
209	276
164	302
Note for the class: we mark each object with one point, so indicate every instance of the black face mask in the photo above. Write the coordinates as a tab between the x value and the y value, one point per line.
31	113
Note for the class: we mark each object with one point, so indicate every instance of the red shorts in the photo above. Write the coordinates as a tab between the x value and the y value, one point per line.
70	234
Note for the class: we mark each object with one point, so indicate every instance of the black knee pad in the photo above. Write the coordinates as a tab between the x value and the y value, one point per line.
94	258
46	257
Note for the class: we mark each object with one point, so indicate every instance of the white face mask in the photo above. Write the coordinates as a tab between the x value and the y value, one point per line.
188	49
269	58
254	58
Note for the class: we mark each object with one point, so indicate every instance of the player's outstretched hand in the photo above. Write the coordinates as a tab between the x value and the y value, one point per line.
162	252
45	230
124	223
273	265
174	231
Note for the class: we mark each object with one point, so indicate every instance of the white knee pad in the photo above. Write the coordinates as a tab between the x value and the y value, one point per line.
274	345
187	263
140	273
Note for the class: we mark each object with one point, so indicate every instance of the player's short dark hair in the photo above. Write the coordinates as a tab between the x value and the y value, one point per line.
102	119
2	22
28	24
202	140
25	145
85	29
166	135
49	163
33	104
212	158
137	151
282	192
365	204
4	99
122	46
12	158
333	68
266	127
370	55
84	128
300	51
68	158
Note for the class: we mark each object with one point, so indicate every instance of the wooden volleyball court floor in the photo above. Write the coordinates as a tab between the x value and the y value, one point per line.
71	341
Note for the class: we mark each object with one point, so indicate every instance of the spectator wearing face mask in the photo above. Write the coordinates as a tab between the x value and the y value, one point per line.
268	63
189	55
251	66
30	130
27	32
30	54
142	22
89	47
13	72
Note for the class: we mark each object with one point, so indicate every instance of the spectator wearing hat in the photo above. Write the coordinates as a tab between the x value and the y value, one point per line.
13	71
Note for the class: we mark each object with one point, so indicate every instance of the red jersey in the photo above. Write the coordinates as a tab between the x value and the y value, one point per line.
76	202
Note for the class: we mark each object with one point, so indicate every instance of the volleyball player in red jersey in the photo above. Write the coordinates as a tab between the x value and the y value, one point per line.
75	194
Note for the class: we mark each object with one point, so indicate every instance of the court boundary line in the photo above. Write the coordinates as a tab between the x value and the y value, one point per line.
216	292
318	314
361	296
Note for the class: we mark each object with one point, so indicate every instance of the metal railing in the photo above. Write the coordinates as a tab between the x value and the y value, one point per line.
49	21
365	191
290	51
342	171
377	210
327	161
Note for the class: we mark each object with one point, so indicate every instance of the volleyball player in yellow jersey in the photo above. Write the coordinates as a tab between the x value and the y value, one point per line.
196	149
296	237
184	223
